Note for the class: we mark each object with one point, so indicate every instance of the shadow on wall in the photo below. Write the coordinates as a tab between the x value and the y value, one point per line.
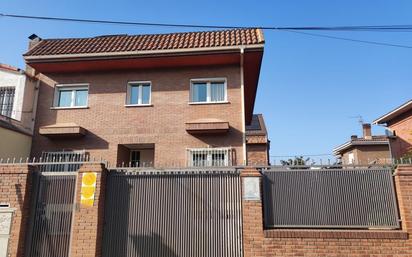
151	246
401	148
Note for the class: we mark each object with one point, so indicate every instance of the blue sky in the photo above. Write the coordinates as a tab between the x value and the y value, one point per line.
309	87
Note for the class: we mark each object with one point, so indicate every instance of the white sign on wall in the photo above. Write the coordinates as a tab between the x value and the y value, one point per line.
5	226
251	188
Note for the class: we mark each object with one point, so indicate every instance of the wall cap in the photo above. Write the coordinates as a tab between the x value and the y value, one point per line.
250	172
403	170
336	234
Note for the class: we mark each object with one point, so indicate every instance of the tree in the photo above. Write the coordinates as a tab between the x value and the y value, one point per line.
298	161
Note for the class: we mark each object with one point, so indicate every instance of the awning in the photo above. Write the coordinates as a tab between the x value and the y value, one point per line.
207	126
63	130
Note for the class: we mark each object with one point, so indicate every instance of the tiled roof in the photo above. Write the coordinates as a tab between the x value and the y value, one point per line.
257	126
126	43
375	140
7	67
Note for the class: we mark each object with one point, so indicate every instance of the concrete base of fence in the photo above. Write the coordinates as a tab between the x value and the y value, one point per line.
259	242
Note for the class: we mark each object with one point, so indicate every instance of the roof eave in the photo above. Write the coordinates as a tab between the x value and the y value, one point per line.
394	113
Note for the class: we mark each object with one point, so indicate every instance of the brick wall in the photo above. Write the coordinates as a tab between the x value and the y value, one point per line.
259	242
257	154
15	188
87	229
402	126
110	123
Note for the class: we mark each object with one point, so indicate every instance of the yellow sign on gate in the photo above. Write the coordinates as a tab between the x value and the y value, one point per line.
88	188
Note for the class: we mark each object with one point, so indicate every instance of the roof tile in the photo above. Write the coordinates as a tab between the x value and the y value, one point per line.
126	43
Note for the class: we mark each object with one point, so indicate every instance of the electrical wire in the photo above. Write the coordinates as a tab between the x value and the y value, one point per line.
300	30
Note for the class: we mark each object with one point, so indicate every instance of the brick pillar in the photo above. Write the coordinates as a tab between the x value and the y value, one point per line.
15	188
252	213
87	233
403	183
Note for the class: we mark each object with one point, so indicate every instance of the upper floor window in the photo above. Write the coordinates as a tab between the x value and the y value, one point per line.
208	90
6	100
138	93
75	95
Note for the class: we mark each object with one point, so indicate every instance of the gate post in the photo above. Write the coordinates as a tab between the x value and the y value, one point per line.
252	212
403	182
15	192
87	230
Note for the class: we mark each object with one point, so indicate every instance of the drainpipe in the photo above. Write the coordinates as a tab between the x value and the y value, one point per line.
242	90
34	108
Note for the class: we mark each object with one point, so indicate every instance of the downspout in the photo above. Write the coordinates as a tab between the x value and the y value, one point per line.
34	108
242	90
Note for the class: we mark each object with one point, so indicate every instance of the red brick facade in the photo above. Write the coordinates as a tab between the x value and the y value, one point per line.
259	242
110	123
401	145
87	233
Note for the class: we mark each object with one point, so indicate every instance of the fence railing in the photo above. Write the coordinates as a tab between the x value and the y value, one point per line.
330	198
169	213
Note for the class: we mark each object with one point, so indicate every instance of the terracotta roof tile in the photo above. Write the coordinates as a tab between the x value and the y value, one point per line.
126	43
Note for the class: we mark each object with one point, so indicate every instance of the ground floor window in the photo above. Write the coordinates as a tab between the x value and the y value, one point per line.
209	157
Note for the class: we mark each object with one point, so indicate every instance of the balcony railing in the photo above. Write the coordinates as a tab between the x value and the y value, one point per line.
210	157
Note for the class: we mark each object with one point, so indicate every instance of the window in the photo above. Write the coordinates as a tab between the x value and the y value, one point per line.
6	100
207	157
351	158
71	96
139	93
135	158
208	91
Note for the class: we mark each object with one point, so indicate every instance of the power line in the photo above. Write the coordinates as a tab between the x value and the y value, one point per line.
402	28
349	39
300	30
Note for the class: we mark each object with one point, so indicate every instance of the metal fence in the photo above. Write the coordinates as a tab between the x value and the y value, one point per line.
330	198
172	213
51	215
62	161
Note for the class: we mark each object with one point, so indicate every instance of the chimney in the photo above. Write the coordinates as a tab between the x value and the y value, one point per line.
34	40
353	137
367	131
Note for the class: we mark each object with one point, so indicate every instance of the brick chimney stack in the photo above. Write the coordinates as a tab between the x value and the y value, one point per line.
367	131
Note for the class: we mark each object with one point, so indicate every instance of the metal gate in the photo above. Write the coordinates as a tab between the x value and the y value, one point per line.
173	214
52	212
330	198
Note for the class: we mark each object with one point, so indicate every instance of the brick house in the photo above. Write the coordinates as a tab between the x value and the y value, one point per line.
367	149
166	100
399	126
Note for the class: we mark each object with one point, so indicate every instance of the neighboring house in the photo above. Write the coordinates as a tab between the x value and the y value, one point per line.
399	127
17	98
364	150
17	95
257	142
15	140
180	99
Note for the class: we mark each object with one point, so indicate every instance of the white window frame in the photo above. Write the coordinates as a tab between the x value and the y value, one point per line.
208	82
351	158
140	84
227	151
73	88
